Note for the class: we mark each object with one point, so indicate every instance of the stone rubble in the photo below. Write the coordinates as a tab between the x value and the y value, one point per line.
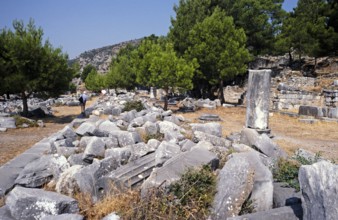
114	151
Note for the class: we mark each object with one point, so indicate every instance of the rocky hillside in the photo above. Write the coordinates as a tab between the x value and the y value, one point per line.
101	57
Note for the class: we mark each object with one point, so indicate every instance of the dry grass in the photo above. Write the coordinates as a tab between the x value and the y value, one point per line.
289	133
2	201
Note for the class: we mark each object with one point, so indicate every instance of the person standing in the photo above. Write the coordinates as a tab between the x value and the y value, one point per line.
83	99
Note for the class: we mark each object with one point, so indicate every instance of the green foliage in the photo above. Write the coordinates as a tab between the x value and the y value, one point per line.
122	73
72	87
195	189
19	121
76	69
247	207
260	19
28	65
86	70
137	105
160	67
287	171
309	29
95	81
219	48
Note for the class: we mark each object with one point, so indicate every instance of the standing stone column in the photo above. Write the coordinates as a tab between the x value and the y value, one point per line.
152	92
258	100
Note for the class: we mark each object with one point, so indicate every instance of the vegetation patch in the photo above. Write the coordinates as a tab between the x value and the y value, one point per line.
287	170
137	105
188	198
158	136
20	121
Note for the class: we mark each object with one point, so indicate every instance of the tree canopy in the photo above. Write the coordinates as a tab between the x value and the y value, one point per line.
29	65
220	49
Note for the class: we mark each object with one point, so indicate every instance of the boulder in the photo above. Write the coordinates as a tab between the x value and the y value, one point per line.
86	129
94	149
83	179
209	128
63	217
283	213
124	138
319	186
262	192
110	142
25	203
7	122
42	170
235	183
5	213
76	159
165	151
151	128
285	196
262	143
175	167
107	127
214	140
66	151
121	155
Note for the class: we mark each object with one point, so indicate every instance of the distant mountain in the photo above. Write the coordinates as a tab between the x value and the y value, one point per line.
100	58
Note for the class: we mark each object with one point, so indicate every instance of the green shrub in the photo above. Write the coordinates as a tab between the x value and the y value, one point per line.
194	193
247	207
19	121
287	171
158	136
137	105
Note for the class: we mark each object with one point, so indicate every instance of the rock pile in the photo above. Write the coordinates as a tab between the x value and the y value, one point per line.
92	154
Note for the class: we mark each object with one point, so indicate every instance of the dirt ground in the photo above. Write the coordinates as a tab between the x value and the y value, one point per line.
289	133
15	141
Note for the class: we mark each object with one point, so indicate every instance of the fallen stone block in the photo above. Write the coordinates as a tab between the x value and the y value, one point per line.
174	168
94	149
41	171
25	203
261	143
283	213
63	217
208	128
319	187
127	176
7	122
285	196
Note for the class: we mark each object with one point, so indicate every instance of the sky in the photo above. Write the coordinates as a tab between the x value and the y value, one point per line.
81	25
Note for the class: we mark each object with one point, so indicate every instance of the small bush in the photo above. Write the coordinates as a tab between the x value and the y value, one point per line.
19	121
247	207
188	198
137	105
158	136
287	171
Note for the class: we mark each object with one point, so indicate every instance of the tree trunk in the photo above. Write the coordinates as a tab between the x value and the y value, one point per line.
220	92
290	58
7	94
166	99
24	103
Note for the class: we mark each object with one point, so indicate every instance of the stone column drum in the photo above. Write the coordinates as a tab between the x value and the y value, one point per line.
258	100
152	92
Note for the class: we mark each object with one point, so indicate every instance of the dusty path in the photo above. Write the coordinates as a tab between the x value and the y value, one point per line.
15	141
290	134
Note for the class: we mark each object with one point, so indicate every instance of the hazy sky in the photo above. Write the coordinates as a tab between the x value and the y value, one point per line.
81	25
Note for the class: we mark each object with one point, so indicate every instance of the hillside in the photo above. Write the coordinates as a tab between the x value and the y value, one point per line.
101	57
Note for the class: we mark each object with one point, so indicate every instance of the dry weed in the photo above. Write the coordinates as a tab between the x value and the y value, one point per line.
2	201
